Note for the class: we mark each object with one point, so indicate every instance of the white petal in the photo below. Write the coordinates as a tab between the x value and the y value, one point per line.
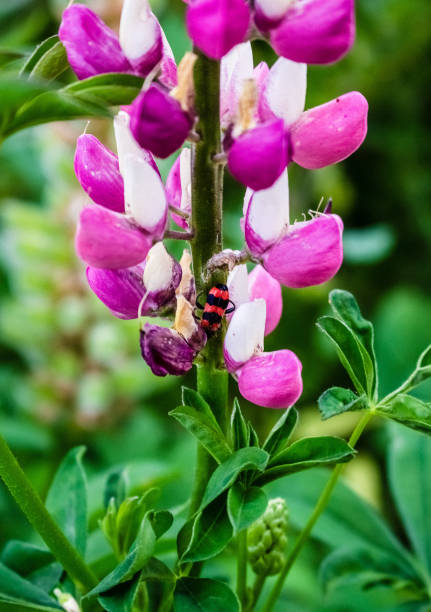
126	144
139	29
285	89
158	268
144	193
245	334
237	283
274	8
236	67
268	214
186	180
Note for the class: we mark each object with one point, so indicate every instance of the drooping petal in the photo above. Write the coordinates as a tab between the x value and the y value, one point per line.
144	194
267	216
106	239
244	337
92	48
216	26
187	325
263	285
166	351
284	91
120	290
309	254
158	122
168	66
126	144
258	157
331	132
97	169
140	36
236	67
237	283
316	31
187	286
162	275
269	13
271	380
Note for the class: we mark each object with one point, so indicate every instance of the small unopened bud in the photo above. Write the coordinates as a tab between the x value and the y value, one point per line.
67	601
267	539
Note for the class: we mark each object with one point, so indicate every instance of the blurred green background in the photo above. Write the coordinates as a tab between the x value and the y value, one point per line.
70	373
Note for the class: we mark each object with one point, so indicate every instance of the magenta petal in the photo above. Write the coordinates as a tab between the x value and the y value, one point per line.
158	122
271	380
258	157
263	285
97	169
331	132
92	48
216	26
316	32
168	67
120	290
173	184
106	239
309	254
166	351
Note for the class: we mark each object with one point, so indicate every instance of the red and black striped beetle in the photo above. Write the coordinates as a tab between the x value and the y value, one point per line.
216	306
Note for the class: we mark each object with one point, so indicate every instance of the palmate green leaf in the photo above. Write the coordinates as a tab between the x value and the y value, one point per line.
279	435
305	454
67	498
351	353
211	532
409	465
337	400
240	432
409	411
225	474
204	595
245	505
23	594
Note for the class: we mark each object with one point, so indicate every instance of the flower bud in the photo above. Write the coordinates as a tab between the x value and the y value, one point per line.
158	122
271	380
316	31
140	36
97	169
263	285
310	253
162	275
244	337
216	26
166	351
267	539
258	156
66	601
329	133
106	239
92	48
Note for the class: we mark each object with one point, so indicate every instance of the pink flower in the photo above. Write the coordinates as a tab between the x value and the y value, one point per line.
179	185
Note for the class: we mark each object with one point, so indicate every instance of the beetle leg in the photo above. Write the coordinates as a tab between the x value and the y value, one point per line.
229	310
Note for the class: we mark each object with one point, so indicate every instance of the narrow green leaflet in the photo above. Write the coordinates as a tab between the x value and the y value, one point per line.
204	595
190	397
337	400
409	411
113	89
421	373
42	49
225	474
212	532
67	498
409	463
239	427
15	92
160	584
19	591
115	487
305	454
351	353
279	435
51	64
161	521
245	505
24	558
121	597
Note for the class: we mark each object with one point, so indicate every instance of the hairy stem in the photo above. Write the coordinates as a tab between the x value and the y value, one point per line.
319	508
30	503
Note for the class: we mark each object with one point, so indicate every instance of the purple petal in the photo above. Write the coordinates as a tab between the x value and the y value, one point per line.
166	351
309	254
331	132
258	157
140	36
92	48
158	122
216	26
168	67
271	380
106	239
263	285
316	32
120	290
97	169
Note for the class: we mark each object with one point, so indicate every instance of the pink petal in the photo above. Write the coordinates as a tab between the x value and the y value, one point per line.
269	13
260	75
271	380
263	285
106	239
316	32
331	132
258	157
120	290
216	26
97	169
168	66
236	67
309	254
140	36
92	48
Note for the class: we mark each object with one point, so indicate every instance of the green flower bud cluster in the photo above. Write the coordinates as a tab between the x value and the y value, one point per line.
267	539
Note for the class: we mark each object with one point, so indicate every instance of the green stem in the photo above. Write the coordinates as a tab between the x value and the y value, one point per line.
257	589
32	506
241	576
319	508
